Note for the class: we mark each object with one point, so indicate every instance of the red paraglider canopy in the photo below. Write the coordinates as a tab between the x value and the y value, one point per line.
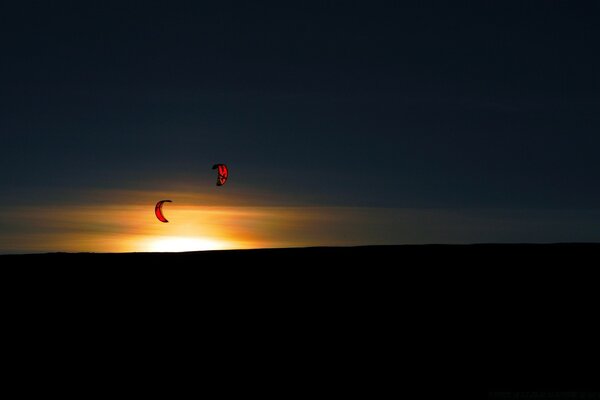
158	210
223	173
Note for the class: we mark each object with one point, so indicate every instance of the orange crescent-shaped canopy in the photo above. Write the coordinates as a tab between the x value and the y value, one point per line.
158	210
223	173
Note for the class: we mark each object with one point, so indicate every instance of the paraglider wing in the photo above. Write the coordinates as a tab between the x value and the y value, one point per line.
223	173
158	210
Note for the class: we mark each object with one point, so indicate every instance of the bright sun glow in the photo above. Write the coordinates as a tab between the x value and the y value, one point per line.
178	244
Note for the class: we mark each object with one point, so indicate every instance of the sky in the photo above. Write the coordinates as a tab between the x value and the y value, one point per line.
342	123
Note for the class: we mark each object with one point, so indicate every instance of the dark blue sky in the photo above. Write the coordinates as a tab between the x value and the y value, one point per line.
397	104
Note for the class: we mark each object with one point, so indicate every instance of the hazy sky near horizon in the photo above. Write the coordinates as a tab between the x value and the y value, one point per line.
362	111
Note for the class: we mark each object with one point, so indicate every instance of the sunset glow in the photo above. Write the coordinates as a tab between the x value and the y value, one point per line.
179	244
117	221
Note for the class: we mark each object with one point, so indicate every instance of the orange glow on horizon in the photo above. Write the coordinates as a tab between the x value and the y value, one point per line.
133	228
129	224
179	244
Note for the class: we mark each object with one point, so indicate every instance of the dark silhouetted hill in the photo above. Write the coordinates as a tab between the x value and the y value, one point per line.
421	322
389	254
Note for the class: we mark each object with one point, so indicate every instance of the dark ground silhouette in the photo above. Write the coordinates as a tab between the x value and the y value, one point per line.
396	255
426	322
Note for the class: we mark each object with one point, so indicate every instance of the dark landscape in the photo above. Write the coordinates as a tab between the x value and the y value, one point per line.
489	254
457	317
